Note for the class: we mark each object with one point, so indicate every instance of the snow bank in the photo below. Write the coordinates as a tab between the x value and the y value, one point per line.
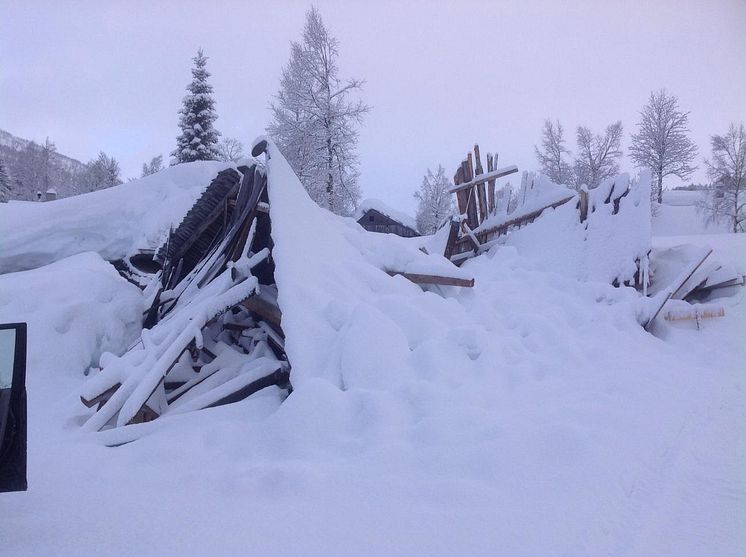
113	222
603	248
76	309
378	205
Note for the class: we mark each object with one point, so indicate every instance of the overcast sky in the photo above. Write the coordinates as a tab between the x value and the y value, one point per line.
439	75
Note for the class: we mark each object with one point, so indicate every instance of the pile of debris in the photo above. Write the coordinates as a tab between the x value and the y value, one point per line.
213	331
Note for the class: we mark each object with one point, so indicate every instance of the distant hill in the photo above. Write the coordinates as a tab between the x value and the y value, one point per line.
33	168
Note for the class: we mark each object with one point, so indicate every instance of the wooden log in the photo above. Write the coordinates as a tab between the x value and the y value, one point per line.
434	279
499	173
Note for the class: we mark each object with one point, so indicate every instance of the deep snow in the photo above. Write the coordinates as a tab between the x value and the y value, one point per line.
529	415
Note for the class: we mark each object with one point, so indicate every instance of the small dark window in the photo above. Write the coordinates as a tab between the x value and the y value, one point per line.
371	218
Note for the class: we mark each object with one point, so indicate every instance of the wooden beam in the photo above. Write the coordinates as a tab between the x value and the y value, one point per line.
263	309
434	279
495	174
523	218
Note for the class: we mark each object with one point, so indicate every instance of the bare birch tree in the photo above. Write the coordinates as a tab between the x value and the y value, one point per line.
435	203
597	155
662	143
315	121
725	201
552	154
230	150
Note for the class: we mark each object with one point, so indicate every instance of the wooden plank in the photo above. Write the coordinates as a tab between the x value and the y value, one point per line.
481	192
676	286
103	397
491	162
471	207
461	196
418	278
495	174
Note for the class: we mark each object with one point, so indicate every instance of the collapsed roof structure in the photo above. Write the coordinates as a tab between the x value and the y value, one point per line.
258	287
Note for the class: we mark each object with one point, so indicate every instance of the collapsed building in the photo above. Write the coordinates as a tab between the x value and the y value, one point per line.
256	284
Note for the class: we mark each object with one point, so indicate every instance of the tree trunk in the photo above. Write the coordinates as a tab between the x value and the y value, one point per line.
660	187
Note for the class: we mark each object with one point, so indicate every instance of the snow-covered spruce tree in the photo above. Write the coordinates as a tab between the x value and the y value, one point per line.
314	121
597	155
4	183
551	156
725	200
661	143
198	138
155	165
435	203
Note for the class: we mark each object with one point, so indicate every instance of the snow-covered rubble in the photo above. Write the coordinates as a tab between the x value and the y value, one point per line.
114	222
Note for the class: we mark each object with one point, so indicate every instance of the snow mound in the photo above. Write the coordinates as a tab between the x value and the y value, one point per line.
114	222
76	309
603	248
378	205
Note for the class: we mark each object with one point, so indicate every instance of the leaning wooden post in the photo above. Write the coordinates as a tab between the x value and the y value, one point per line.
490	185
460	195
481	195
471	206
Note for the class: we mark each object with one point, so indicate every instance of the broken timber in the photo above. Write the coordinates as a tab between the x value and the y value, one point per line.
434	279
182	360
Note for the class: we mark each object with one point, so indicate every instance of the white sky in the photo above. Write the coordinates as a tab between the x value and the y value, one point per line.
439	75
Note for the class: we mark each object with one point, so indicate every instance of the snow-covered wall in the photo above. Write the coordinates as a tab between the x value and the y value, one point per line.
113	222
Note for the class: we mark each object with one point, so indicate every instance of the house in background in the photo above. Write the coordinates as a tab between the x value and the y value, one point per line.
375	216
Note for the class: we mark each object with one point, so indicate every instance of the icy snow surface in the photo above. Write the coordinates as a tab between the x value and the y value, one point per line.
114	222
529	415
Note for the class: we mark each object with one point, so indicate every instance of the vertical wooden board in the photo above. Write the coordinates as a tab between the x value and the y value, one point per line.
490	186
461	197
471	206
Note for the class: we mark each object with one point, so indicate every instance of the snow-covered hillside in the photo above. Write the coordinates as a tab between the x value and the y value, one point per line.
528	415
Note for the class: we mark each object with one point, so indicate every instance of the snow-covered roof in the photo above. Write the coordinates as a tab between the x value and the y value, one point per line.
113	222
378	205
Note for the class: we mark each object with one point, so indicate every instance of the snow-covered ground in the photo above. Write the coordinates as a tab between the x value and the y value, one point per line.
529	415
